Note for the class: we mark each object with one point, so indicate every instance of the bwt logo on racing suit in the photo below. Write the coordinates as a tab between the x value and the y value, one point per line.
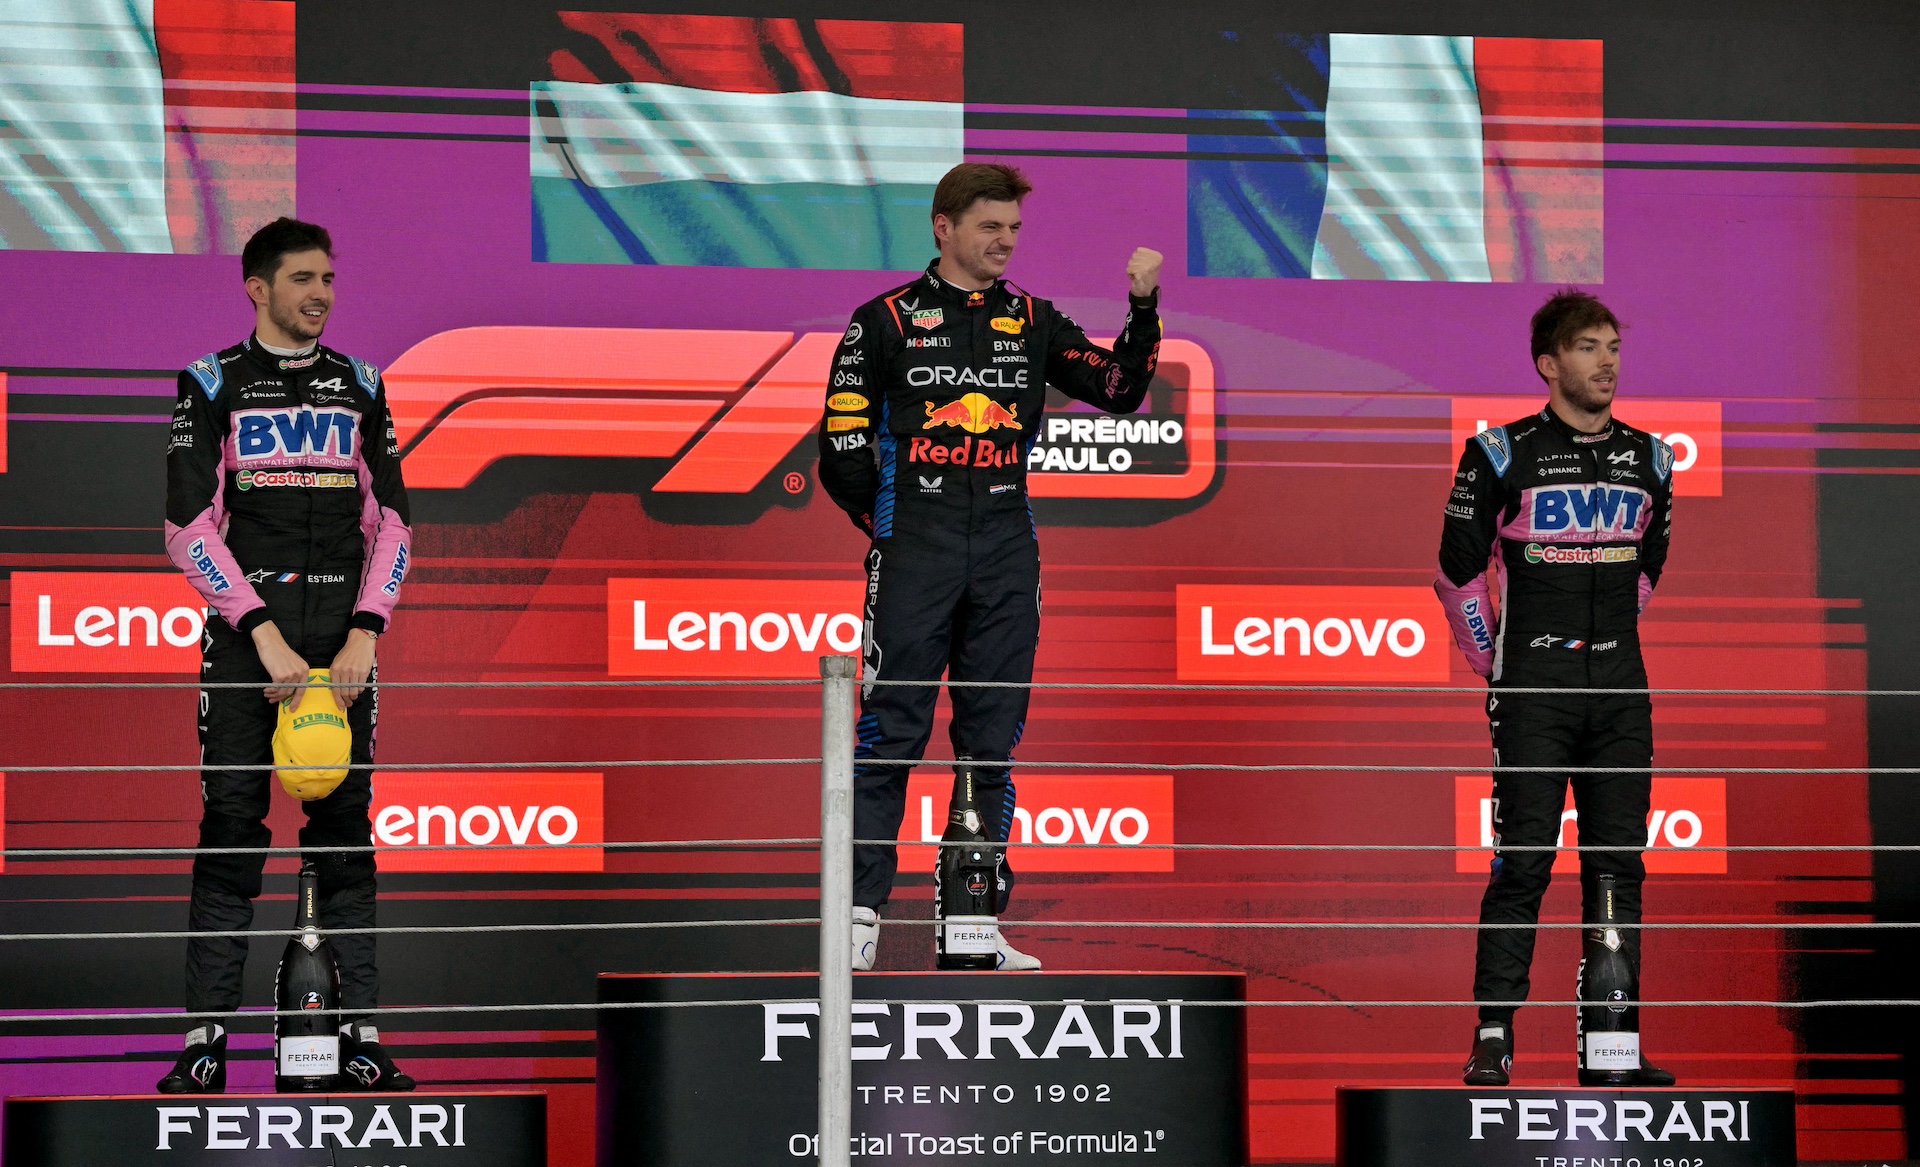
1308	634
729	627
489	822
106	622
295	433
1133	811
1687	815
1595	510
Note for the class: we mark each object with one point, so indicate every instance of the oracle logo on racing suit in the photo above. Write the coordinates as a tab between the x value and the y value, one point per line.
1594	510
922	376
106	622
1306	634
1687	816
728	627
1054	815
489	822
295	434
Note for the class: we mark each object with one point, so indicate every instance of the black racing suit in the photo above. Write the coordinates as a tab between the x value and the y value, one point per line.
1577	525
934	402
284	503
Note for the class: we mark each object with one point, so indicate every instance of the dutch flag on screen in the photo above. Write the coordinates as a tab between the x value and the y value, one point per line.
1405	158
741	142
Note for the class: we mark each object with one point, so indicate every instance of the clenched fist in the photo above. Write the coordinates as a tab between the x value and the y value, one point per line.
1143	270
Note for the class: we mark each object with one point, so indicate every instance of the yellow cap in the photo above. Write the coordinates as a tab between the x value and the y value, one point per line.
315	735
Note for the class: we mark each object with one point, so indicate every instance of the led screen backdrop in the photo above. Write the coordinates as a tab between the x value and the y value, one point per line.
603	257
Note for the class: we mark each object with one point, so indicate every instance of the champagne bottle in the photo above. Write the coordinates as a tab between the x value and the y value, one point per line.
1607	1030
306	1044
967	934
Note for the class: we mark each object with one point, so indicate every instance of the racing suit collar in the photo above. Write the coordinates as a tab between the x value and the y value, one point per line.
1578	437
959	297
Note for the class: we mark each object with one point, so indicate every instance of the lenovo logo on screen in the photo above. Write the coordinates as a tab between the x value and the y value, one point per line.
488	819
1692	428
1303	635
1133	811
1688	814
729	627
106	622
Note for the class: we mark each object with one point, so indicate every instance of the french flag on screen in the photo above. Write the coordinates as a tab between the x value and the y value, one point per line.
1406	158
743	142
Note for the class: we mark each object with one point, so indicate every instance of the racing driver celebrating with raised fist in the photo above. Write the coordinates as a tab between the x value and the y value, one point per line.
1573	508
934	401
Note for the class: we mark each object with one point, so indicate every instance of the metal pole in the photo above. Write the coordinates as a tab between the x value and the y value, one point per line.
837	674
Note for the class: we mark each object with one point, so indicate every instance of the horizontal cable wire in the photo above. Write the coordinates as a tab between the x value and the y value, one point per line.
814	921
758	1002
978	764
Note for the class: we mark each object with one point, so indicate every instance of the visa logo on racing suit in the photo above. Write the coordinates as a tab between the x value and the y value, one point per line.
294	433
197	552
1597	509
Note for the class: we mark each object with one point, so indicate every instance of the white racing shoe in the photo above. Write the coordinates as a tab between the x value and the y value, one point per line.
866	938
1007	958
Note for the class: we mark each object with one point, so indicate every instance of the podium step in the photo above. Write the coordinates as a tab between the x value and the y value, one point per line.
1511	1127
278	1130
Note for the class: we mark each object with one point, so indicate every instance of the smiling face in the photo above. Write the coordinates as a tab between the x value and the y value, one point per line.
292	307
978	243
1585	373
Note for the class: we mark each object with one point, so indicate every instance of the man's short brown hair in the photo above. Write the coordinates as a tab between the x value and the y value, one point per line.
969	182
1565	315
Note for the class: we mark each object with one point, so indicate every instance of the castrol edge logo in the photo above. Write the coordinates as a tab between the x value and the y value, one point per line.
106	622
489	819
1303	635
1692	428
729	627
1687	814
1134	811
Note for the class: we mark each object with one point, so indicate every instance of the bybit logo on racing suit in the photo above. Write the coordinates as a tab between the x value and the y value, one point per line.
1128	813
106	622
1688	815
489	822
1340	635
1691	428
729	627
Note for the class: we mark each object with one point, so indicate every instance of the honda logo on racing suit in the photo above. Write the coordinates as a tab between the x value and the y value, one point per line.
729	627
1341	635
1130	813
1687	814
485	822
1691	428
106	622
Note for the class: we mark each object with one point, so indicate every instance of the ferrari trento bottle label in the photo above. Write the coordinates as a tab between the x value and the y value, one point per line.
971	935
302	1056
1612	1051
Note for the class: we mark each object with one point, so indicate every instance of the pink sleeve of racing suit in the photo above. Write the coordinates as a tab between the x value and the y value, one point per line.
196	507
383	511
1466	544
1470	613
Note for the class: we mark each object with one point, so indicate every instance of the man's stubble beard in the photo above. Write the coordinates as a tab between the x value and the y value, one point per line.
1583	396
295	325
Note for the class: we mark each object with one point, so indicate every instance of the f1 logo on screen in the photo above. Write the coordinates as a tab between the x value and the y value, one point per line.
1688	814
1692	428
1288	634
729	408
1055	811
481	822
770	628
106	622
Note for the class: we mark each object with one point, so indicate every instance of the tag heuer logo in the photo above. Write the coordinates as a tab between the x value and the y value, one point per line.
928	318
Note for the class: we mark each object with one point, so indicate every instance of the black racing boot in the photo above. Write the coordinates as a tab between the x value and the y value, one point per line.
366	1066
1652	1075
1491	1063
202	1068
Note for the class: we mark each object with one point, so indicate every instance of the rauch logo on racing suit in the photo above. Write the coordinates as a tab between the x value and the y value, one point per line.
729	627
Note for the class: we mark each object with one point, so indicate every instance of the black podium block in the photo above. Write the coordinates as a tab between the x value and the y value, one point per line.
279	1130
990	1078
1461	1126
